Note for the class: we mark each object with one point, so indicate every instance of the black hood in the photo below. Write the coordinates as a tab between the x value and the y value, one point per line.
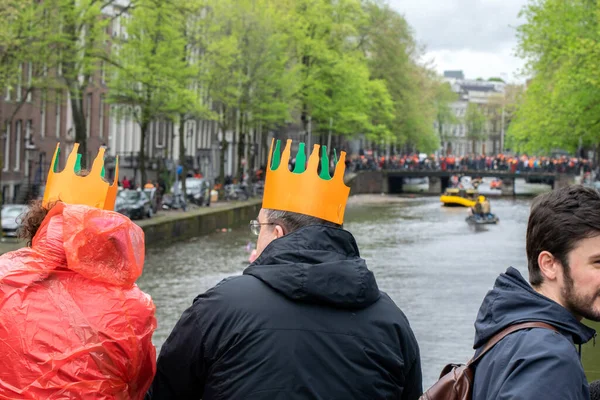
317	264
513	300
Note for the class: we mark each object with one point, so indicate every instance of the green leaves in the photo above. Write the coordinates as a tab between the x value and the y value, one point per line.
561	43
350	65
153	73
475	121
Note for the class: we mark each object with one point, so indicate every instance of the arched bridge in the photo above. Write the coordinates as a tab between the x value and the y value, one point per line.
392	181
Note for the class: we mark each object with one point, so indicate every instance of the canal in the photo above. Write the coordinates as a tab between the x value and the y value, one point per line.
434	266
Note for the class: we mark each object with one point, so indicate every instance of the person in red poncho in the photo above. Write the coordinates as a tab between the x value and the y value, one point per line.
73	324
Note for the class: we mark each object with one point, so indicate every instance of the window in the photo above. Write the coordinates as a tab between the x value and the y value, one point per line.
19	83
16	190
101	118
7	97
18	127
43	116
161	135
5	192
28	130
116	28
7	147
88	113
58	101
29	79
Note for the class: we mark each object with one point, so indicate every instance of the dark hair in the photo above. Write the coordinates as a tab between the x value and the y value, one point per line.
558	220
32	221
33	218
291	221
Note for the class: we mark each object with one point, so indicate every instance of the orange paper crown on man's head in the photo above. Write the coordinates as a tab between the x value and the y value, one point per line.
305	190
70	188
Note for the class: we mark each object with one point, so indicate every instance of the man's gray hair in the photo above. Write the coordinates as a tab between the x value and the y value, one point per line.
291	221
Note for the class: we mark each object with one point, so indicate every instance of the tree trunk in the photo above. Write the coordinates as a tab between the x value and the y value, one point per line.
142	155
252	162
79	122
241	147
182	158
224	146
224	125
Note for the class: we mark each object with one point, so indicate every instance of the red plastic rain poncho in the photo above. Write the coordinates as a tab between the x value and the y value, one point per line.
73	325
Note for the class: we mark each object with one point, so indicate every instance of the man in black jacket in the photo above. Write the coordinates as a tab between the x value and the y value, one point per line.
306	320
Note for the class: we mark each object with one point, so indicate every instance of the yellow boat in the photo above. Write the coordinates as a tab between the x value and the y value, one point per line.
459	197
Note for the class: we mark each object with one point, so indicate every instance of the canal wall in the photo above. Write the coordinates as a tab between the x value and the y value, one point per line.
174	227
169	227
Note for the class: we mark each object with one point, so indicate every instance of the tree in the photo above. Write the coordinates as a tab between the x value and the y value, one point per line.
392	54
153	77
79	43
561	43
332	67
501	109
24	46
270	80
445	117
475	121
221	77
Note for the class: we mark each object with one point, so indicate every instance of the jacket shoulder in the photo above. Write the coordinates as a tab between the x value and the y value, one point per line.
538	342
234	285
527	363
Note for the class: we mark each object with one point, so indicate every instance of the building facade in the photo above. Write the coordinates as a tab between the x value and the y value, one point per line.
485	94
34	121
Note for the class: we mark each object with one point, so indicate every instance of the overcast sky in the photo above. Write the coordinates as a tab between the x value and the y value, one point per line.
476	36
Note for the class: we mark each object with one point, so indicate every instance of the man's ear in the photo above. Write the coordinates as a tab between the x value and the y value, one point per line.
278	231
550	267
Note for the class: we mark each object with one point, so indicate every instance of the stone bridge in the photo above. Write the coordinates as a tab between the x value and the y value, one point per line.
392	181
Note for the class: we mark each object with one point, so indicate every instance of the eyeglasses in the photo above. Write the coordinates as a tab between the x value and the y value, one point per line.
255	226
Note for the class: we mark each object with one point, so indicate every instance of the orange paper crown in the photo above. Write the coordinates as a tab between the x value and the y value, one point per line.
306	191
70	188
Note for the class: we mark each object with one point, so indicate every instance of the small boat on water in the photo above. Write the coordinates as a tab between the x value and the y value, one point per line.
482	220
455	197
496	184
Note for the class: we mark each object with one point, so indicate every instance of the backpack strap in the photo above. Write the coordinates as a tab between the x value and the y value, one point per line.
507	331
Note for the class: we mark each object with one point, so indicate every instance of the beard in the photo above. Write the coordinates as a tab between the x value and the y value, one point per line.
577	303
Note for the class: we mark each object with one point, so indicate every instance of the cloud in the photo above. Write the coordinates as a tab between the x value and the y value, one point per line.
473	35
479	64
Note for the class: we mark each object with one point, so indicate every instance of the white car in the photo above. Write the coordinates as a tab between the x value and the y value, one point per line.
12	218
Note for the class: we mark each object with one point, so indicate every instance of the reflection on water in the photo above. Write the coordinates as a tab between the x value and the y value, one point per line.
426	257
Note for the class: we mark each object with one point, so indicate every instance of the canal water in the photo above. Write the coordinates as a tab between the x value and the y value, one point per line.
434	266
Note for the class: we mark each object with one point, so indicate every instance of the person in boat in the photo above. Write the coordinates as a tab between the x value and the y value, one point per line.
306	320
482	208
74	324
486	207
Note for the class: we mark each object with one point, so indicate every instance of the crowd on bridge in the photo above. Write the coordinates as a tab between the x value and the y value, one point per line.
501	162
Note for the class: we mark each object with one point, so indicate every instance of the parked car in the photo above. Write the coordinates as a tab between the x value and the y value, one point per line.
12	218
134	204
197	191
154	198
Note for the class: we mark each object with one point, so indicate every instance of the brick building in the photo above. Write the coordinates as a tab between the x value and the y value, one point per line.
41	121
